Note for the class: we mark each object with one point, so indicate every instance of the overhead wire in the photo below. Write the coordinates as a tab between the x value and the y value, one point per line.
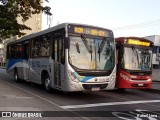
140	25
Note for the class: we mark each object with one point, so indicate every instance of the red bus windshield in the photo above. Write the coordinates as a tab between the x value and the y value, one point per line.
137	58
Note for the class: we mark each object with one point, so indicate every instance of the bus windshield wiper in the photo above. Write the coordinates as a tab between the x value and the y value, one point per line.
136	54
89	49
145	58
100	48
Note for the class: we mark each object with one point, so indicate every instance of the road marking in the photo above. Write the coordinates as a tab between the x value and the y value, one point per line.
109	104
16	97
45	100
33	94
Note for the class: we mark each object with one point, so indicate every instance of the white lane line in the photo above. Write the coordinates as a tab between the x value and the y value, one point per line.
85	118
34	94
109	104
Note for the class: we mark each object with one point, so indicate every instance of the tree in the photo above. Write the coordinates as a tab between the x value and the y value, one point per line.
11	9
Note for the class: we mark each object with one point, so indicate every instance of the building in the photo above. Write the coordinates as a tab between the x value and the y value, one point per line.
156	50
34	22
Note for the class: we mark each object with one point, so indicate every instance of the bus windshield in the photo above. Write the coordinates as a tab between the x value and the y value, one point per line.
137	58
92	54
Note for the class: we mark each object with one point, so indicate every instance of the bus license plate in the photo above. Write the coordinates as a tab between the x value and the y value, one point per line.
140	84
95	88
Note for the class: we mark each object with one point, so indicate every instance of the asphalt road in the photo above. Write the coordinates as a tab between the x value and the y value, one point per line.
25	98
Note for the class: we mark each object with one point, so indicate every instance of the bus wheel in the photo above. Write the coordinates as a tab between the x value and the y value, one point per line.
16	76
47	83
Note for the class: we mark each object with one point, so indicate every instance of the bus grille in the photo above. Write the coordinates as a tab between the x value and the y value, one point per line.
90	86
95	73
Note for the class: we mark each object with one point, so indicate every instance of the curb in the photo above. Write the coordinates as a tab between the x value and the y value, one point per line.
2	67
155	80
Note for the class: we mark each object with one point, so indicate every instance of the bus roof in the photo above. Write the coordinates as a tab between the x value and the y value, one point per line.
57	27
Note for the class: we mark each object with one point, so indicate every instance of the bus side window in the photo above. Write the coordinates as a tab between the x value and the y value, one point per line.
55	50
26	50
9	52
35	47
19	51
62	52
44	49
12	54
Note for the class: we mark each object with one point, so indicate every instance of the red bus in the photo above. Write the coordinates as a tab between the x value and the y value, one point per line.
134	63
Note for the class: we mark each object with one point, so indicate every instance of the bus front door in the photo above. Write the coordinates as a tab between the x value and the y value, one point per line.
57	62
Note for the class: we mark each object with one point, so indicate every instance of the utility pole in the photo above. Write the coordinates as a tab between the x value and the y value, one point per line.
49	20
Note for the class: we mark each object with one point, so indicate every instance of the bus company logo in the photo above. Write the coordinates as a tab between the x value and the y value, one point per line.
6	114
21	114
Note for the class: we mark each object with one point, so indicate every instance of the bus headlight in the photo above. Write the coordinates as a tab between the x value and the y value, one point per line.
113	77
149	78
72	76
124	76
133	77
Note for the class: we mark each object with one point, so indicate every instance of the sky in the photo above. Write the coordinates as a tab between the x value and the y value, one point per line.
125	17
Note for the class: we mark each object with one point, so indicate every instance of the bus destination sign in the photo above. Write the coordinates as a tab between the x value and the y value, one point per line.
138	42
89	31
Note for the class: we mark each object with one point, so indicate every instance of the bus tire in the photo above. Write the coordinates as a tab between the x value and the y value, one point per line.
47	82
16	76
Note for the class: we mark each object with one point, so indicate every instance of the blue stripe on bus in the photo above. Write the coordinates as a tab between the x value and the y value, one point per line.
11	62
86	78
82	78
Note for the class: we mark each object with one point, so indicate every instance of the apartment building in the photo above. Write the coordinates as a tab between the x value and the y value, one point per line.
34	22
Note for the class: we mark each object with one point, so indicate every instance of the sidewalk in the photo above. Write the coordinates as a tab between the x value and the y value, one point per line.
156	85
2	67
156	75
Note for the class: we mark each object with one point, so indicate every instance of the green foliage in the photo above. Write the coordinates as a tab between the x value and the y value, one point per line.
10	10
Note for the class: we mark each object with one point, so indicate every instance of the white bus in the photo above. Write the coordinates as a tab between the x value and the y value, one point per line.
156	50
67	57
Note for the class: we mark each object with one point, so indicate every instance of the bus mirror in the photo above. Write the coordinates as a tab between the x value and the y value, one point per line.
77	48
